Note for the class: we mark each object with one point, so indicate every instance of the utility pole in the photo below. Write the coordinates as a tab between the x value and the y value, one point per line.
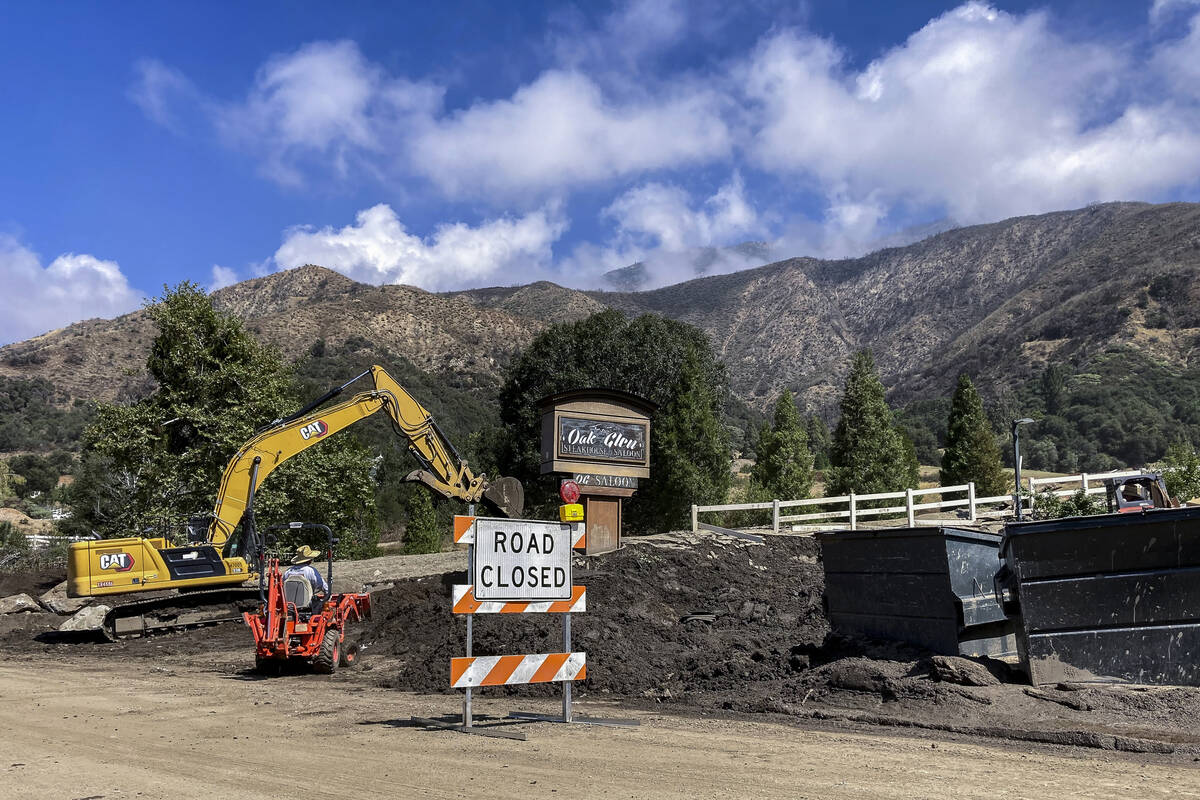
1016	426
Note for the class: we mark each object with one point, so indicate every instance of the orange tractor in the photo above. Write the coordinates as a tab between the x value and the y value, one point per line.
295	623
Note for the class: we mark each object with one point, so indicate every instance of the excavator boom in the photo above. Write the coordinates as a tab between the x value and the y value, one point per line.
442	469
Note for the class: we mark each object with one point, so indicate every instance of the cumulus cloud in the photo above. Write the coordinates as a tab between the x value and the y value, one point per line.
982	113
378	249
72	287
222	277
561	131
674	237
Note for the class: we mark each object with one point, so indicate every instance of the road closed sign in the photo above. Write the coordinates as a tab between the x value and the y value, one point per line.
522	560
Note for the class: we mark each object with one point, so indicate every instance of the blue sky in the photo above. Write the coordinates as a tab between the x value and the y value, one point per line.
481	143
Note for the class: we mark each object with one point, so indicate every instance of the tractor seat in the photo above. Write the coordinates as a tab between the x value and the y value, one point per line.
298	591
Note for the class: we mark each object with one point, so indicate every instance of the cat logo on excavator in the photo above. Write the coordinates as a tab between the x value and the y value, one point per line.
120	562
314	430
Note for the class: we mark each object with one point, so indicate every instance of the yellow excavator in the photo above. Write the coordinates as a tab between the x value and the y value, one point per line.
214	561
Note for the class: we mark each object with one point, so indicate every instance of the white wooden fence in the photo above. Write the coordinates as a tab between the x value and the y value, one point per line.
976	507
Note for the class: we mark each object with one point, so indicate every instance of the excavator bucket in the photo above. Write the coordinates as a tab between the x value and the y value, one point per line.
507	495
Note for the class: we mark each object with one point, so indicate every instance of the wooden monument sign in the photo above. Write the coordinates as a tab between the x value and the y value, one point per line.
600	438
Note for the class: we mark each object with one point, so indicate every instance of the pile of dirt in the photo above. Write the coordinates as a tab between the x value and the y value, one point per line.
33	584
665	618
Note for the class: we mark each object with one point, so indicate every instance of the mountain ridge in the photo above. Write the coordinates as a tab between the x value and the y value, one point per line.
998	300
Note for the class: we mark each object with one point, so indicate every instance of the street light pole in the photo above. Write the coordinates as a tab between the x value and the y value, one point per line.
1016	427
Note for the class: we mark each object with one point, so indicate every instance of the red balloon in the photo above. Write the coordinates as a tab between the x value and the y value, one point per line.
569	491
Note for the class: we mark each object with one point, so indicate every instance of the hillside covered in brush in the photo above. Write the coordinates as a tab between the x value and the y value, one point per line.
1108	297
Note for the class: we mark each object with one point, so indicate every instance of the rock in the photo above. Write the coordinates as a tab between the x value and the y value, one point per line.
963	671
56	600
87	619
16	603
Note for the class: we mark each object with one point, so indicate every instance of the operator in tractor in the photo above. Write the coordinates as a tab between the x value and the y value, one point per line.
302	567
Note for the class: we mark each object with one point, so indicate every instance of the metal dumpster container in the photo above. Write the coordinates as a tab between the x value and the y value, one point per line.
931	587
1114	597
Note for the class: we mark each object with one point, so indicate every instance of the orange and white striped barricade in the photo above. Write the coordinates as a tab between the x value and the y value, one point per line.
519	567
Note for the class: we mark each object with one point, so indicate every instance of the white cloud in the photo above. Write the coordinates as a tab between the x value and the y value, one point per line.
980	113
1178	61
1162	10
665	215
72	287
159	90
222	277
378	249
562	131
675	238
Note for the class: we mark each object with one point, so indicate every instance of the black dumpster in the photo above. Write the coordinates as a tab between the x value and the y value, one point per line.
932	587
1114	597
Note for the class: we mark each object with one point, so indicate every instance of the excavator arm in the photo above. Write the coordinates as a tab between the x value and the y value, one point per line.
442	469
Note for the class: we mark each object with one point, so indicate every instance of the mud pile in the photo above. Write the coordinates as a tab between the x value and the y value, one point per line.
664	619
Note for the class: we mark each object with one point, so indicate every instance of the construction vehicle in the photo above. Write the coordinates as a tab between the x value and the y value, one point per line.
212	568
290	625
1136	493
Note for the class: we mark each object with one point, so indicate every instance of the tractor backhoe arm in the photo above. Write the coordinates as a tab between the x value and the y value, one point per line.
443	470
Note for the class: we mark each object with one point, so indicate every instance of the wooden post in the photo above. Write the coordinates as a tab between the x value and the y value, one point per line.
853	513
1083	478
775	515
971	499
695	523
908	501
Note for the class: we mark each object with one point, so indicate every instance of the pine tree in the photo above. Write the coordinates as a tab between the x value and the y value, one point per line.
693	452
818	442
972	453
868	452
421	534
784	466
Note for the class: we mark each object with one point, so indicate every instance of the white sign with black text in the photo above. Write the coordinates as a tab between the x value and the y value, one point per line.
522	560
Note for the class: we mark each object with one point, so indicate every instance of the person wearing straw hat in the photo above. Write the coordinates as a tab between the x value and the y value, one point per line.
302	567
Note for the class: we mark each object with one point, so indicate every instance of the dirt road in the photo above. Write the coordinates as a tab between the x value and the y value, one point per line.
81	729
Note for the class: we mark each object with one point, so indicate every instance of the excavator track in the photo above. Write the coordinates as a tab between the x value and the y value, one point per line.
179	611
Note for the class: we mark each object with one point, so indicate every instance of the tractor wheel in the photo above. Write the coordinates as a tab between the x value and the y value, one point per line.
349	655
327	658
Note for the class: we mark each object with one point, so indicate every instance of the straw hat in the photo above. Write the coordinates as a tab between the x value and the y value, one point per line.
305	555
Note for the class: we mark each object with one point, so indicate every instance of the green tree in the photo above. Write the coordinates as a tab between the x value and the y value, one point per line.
1054	387
669	363
869	453
422	534
784	466
39	472
158	461
689	456
819	442
1181	472
972	453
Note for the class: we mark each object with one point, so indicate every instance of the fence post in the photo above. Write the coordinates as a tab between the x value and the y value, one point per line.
971	499
853	513
1083	478
909	503
695	525
775	514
